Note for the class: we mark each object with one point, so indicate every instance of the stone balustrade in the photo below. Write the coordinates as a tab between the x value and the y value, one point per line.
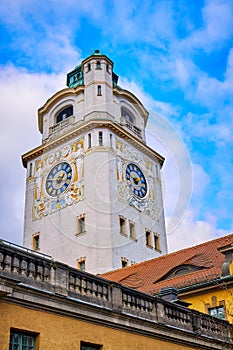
20	265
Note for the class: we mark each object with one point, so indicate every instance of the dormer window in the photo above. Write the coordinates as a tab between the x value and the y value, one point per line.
98	65
64	114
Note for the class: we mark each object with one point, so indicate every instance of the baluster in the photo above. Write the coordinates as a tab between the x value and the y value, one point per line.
15	265
1	260
77	284
94	290
31	269
46	273
23	267
88	287
124	298
7	263
83	286
71	282
105	293
39	273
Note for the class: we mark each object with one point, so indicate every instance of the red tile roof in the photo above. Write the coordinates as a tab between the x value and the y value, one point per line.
185	267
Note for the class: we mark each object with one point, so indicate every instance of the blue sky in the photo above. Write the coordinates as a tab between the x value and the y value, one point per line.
176	56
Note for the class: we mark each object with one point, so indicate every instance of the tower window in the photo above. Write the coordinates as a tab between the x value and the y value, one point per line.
156	171
132	230
89	140
81	224
30	169
99	92
156	241
98	65
122	222
107	67
100	138
88	67
22	341
149	239
64	114
124	262
110	136
81	264
36	241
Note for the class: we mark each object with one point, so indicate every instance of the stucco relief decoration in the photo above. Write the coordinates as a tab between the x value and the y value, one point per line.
59	179
125	155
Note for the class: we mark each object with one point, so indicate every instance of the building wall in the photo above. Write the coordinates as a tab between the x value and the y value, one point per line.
59	332
203	299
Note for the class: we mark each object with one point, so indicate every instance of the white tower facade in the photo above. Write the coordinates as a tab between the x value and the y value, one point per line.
93	188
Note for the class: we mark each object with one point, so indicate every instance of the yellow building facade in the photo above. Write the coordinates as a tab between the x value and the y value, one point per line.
45	304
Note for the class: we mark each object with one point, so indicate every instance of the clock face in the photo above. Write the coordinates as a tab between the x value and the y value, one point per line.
136	180
58	179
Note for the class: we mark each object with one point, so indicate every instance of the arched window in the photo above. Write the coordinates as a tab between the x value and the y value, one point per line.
65	113
98	66
127	115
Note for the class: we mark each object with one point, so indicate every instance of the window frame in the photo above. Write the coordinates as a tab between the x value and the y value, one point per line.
101	138
124	262
98	64
81	264
217	313
132	230
157	241
36	241
90	346
81	224
89	140
21	335
148	235
64	116
122	225
99	90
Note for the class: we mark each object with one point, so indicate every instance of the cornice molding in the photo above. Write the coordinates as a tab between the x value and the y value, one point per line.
86	126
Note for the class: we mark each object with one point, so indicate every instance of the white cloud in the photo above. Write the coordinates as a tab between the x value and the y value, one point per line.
217	17
192	231
21	94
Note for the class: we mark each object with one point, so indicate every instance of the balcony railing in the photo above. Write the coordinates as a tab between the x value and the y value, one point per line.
19	265
131	126
59	126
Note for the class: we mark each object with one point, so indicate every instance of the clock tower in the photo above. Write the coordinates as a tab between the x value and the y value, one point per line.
93	187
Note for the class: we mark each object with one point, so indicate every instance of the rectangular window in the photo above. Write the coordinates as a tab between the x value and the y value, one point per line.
148	238
132	230
110	140
100	138
156	241
22	341
81	264
124	262
30	169
99	92
81	224
98	65
36	241
89	140
218	312
156	171
122	222
89	346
